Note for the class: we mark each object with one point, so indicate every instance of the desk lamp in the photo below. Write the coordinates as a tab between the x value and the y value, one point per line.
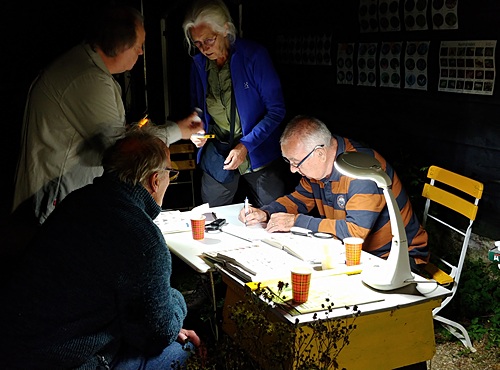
395	272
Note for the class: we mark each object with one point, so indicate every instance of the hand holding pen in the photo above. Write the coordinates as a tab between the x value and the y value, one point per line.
251	215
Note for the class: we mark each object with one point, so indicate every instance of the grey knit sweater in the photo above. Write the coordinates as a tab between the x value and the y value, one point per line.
96	277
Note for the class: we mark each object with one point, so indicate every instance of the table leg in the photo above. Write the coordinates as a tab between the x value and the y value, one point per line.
214	305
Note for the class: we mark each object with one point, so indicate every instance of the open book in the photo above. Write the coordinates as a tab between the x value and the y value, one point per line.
306	248
255	262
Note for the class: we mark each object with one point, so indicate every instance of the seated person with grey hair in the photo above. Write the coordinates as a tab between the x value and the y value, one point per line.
92	290
346	206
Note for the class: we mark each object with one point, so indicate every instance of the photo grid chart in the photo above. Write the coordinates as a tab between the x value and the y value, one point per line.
388	16
367	64
415	15
345	63
416	65
467	67
388	56
383	15
314	49
444	14
368	16
390	64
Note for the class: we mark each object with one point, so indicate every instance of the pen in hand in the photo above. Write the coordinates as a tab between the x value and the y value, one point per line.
247	209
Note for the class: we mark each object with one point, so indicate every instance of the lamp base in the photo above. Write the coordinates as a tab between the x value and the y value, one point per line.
381	278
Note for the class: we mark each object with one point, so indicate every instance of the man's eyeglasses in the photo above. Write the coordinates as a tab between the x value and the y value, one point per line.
304	159
172	173
207	42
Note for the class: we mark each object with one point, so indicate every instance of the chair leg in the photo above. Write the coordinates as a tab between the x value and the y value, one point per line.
461	333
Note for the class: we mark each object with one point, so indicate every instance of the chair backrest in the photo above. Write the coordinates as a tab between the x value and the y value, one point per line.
459	194
181	193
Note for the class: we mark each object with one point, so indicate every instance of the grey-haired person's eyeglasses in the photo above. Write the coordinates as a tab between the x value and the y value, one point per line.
172	173
305	158
207	42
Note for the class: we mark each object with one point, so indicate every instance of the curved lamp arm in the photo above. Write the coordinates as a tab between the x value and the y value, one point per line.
395	272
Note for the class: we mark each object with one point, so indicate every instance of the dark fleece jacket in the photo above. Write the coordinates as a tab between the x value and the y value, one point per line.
96	277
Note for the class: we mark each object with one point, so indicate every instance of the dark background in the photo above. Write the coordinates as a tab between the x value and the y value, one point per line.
412	129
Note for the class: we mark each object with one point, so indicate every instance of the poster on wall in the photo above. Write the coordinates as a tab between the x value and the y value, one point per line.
323	49
345	63
367	52
390	64
367	14
416	65
415	15
309	49
444	14
388	15
467	67
283	49
287	49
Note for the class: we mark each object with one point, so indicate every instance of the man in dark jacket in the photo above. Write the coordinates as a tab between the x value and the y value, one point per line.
93	287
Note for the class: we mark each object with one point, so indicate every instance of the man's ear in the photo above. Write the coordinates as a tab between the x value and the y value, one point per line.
322	153
154	182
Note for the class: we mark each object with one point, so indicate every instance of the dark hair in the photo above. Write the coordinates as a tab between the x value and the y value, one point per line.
137	155
113	28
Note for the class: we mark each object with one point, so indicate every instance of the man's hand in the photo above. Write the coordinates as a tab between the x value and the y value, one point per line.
253	217
192	124
280	222
185	335
198	141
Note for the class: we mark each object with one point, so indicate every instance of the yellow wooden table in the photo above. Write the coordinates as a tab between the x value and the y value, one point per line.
393	332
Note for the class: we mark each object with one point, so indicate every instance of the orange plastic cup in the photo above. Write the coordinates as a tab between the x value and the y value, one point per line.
353	248
301	281
198	227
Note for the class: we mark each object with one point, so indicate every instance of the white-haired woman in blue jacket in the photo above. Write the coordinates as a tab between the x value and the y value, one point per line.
229	69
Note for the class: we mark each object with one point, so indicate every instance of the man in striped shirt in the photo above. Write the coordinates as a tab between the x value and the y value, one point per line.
346	206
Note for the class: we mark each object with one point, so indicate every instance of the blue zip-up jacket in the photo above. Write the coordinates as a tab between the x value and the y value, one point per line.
259	99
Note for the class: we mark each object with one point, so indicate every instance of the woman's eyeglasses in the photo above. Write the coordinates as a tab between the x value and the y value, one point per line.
207	42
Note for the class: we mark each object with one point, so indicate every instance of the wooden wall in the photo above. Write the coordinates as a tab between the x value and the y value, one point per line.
411	128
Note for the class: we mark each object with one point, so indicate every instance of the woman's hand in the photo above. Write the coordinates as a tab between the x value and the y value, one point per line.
235	157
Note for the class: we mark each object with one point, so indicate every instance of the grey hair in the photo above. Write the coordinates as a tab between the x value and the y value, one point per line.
215	14
136	156
311	131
